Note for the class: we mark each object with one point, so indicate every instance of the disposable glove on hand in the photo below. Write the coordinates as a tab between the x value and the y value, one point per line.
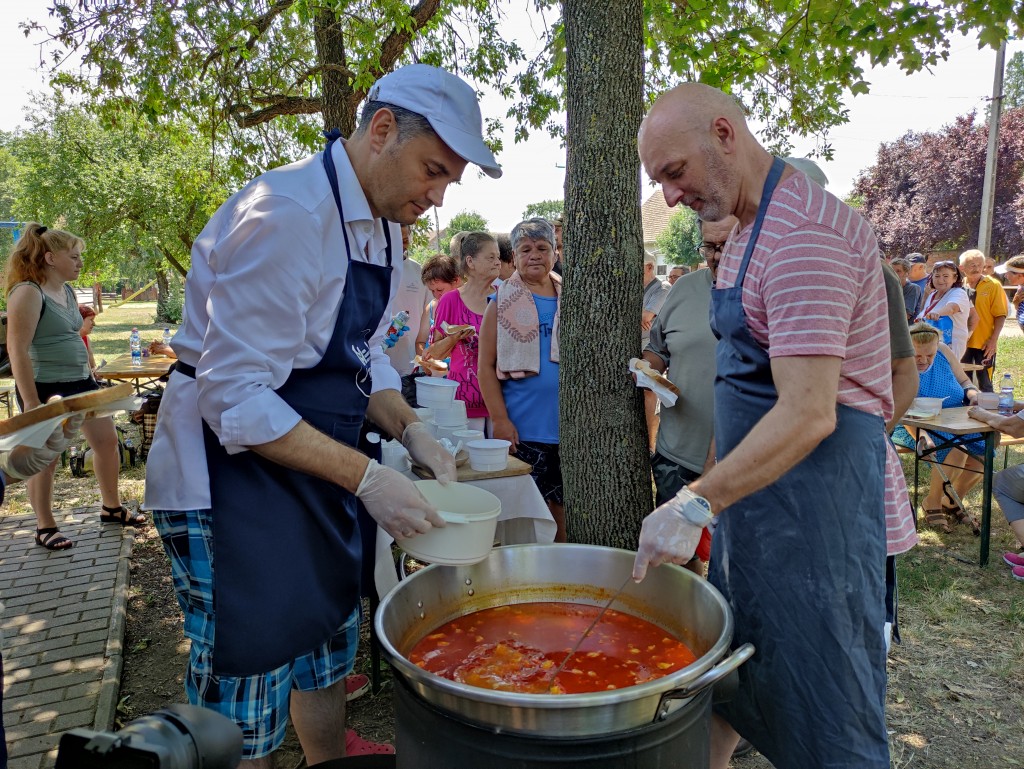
665	537
24	461
428	453
395	503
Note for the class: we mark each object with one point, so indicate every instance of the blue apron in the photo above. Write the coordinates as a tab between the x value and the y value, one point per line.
287	549
802	565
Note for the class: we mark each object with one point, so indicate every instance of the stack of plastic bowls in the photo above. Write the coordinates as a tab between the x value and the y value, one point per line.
451	420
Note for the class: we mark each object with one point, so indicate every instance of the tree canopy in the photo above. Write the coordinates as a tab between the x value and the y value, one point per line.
138	195
545	209
679	241
464	221
924	191
253	70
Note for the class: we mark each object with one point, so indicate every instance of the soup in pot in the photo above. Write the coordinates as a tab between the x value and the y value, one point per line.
518	648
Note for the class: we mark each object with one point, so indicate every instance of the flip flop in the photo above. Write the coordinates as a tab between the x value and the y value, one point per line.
357	746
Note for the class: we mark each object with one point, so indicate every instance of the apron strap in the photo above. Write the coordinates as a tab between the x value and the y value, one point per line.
332	177
778	166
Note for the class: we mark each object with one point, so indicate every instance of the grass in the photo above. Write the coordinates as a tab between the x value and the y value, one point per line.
110	336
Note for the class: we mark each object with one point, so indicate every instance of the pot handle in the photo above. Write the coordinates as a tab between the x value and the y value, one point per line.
710	678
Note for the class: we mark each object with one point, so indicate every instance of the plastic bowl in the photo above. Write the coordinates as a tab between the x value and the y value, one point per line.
488	455
926	407
468	435
451	416
435	393
471	515
448	431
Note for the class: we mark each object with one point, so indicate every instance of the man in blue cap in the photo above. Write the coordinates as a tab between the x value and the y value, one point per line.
254	475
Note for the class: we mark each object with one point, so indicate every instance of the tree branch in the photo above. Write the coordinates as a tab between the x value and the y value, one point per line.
276	106
260	25
174	262
398	40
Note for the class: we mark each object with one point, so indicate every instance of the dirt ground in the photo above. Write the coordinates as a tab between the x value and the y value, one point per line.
956	684
956	688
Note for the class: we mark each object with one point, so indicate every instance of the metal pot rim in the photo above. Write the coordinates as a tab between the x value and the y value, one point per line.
653	689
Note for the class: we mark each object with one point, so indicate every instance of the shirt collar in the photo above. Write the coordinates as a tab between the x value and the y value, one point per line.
353	200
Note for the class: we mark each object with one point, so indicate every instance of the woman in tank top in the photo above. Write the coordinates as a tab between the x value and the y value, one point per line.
48	359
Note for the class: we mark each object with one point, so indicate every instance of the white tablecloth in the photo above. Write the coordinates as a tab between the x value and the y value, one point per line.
524	519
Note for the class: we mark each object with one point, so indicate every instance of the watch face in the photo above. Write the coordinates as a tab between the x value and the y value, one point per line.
702	502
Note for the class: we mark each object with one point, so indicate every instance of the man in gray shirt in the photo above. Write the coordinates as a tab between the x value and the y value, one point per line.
683	348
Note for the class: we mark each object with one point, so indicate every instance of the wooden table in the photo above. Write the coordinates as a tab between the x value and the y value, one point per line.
956	422
144	377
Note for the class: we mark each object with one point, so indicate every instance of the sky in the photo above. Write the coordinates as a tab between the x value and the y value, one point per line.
534	169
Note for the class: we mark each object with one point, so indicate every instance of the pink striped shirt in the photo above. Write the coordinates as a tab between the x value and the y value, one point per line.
900	532
814	287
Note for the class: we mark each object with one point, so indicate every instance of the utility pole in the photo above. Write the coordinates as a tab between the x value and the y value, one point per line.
988	191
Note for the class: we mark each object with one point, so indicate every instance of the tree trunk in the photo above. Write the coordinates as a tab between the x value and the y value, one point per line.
162	293
605	464
335	89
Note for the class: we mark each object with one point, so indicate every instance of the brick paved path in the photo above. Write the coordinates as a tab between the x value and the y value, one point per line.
63	627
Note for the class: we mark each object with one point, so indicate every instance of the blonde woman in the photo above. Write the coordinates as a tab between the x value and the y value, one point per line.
941	376
48	359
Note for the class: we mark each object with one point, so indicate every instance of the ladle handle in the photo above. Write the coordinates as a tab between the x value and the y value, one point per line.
710	678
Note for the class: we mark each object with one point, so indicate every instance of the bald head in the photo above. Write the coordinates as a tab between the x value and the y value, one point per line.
696	143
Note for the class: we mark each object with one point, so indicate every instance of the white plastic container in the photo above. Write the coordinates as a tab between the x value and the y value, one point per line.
424	413
488	455
452	416
445	431
435	393
395	456
468	435
471	515
926	407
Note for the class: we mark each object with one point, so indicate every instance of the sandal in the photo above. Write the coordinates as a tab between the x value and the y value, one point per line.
52	539
937	519
121	515
961	516
357	746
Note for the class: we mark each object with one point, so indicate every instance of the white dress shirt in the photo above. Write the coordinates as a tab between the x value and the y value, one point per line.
268	274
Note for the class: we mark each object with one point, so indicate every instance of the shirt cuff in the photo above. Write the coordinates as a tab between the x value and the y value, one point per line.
257	420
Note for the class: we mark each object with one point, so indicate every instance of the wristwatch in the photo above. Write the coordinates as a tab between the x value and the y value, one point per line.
695	509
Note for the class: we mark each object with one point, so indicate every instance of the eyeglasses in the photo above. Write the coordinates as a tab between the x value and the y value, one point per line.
947	263
708	250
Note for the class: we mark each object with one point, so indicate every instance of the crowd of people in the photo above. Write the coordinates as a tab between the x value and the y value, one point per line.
774	471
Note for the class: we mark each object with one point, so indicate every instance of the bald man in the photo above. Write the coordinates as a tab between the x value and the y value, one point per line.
802	393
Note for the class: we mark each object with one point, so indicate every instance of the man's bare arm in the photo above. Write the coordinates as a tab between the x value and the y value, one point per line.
802	417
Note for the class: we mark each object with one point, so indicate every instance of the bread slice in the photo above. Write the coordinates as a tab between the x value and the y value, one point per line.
87	402
644	367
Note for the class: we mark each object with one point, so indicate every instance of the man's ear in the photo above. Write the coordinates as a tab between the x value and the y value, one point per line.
382	125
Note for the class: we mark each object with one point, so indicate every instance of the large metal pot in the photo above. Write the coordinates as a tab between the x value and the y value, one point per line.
671	597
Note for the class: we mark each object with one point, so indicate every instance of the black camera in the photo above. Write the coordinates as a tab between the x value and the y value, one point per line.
175	737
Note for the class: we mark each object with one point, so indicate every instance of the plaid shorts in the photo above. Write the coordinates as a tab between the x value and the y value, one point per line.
259	703
547	468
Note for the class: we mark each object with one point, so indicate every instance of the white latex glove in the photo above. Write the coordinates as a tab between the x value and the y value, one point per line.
665	537
395	503
428	453
23	462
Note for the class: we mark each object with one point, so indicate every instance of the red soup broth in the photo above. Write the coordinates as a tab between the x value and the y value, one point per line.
517	648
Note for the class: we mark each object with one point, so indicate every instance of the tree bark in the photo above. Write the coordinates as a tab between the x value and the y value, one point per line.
162	292
339	108
605	464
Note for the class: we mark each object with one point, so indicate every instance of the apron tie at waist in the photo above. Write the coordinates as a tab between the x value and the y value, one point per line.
184	368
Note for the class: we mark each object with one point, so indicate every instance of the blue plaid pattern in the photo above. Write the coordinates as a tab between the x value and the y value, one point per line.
258	704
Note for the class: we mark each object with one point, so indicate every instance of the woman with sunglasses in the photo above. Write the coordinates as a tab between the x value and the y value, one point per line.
947	306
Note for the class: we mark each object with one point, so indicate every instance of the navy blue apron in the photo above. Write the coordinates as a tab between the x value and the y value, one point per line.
801	563
287	549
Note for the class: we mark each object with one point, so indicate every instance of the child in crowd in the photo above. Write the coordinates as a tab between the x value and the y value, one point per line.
440	275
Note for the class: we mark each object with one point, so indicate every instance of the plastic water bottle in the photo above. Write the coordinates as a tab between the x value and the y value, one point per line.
135	343
1006	395
167	337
